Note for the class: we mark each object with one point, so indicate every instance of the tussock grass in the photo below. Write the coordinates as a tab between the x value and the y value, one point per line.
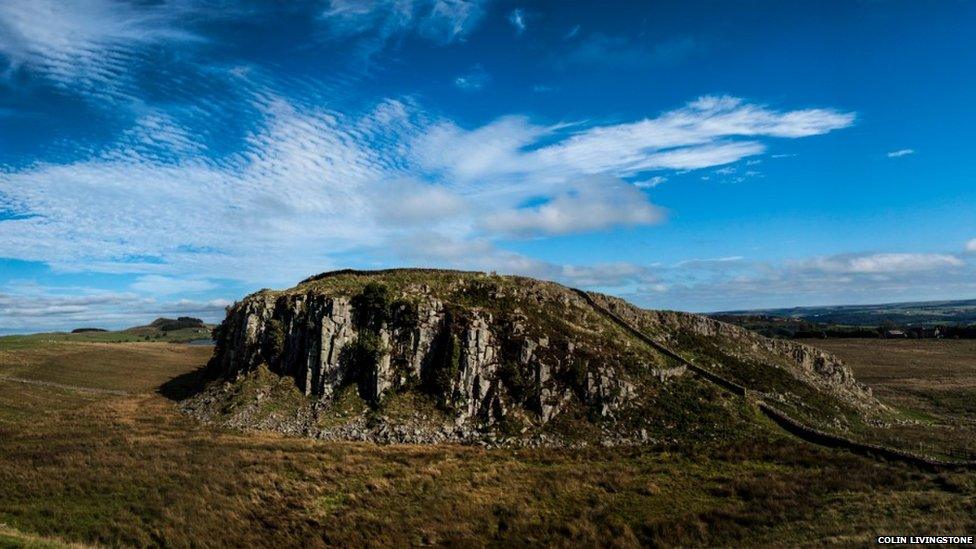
129	470
930	383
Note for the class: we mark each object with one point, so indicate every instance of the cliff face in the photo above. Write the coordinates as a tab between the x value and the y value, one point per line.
479	363
471	354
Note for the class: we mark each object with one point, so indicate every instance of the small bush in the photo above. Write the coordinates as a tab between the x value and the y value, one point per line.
445	366
371	308
359	359
274	340
519	382
404	313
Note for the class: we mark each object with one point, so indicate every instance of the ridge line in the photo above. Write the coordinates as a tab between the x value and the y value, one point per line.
780	418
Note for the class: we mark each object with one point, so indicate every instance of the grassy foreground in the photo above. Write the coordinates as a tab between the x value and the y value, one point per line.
126	469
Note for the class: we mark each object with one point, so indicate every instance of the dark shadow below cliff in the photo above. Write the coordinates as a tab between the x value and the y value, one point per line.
185	385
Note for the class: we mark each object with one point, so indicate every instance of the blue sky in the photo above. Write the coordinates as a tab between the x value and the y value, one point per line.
168	157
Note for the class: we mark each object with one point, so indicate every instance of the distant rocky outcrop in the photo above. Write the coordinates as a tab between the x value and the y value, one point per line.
169	324
423	355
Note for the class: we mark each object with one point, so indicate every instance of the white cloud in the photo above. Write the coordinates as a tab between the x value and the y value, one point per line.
651	182
517	19
704	133
882	263
971	245
442	21
41	310
88	44
592	203
710	262
296	191
900	152
473	80
165	285
733	282
606	275
409	203
311	187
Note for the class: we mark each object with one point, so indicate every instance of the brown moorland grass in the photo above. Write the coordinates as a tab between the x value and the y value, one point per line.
930	382
130	367
130	470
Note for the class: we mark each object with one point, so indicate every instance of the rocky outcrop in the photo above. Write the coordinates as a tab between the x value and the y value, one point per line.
486	354
455	354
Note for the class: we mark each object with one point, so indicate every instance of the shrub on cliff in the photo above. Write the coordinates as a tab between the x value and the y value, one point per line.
371	308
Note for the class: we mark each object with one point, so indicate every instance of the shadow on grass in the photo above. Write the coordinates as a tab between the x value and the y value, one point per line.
186	385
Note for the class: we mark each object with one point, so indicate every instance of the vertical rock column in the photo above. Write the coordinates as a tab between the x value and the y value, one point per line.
337	331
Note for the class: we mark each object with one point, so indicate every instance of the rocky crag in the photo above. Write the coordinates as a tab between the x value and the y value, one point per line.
429	356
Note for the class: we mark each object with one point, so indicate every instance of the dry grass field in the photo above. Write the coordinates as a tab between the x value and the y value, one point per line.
930	382
100	468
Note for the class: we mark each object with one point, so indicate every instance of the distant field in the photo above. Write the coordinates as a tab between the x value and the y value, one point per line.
931	381
122	336
130	367
911	313
110	469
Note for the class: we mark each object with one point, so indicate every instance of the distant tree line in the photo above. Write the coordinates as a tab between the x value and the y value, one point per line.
169	325
793	328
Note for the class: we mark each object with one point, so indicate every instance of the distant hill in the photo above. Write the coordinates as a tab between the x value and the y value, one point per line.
914	319
180	330
169	324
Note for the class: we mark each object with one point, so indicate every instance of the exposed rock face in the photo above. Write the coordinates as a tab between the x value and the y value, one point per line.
489	353
454	352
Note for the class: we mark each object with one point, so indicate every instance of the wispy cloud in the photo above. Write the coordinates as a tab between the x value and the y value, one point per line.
971	245
89	44
881	263
735	282
39	310
900	153
310	185
706	132
650	182
165	285
517	19
380	21
472	80
591	203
